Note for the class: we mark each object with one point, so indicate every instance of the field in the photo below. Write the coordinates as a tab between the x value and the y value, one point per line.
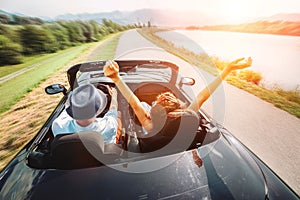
27	114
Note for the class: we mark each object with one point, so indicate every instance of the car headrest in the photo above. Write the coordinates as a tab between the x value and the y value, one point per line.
79	150
177	134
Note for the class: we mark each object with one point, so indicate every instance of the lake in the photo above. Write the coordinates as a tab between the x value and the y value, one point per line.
276	57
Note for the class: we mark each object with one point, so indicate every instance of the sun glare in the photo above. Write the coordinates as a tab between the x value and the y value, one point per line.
234	11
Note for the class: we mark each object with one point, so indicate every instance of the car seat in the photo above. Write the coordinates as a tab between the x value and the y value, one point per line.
82	150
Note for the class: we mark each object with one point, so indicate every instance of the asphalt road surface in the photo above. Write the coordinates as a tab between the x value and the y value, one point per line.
269	132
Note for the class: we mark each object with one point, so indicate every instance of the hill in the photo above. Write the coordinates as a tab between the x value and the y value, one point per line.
2	12
267	27
155	16
167	17
287	17
282	23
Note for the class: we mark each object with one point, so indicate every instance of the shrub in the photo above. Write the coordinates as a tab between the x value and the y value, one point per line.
250	76
11	32
36	40
218	63
60	33
10	53
291	95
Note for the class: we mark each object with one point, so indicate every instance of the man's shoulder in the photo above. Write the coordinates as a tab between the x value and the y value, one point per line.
64	116
111	112
62	124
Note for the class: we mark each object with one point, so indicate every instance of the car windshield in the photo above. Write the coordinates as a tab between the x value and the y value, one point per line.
131	72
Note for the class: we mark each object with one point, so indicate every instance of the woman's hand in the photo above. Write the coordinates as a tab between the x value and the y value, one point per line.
111	70
240	63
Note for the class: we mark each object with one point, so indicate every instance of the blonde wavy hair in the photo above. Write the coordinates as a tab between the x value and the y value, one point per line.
168	101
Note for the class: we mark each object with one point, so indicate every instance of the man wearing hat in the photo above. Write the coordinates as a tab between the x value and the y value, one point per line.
86	102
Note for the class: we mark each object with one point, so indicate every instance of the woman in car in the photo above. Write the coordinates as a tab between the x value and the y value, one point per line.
167	106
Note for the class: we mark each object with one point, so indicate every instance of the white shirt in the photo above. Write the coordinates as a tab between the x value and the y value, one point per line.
106	126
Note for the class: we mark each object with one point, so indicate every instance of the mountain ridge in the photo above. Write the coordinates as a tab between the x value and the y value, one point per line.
162	17
158	17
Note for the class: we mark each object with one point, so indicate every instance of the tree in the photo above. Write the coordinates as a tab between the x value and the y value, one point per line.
74	32
4	19
60	33
96	29
36	40
103	31
87	31
10	33
26	20
10	53
112	27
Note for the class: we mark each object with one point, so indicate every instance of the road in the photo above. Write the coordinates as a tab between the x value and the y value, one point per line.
272	134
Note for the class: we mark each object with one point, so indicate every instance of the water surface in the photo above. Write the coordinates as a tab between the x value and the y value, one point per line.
276	57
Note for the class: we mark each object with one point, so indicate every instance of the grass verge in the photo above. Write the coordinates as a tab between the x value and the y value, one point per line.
285	100
27	62
106	50
23	120
14	89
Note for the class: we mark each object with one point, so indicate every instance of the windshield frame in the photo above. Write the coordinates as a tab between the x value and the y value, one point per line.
91	69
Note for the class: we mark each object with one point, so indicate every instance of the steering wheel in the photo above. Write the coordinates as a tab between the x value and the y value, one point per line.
104	88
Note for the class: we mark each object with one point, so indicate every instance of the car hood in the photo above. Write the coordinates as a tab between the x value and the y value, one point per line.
220	170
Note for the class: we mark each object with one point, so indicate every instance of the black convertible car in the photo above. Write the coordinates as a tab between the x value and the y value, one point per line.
202	161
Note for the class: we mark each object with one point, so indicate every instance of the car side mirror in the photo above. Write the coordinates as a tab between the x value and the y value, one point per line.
187	81
55	89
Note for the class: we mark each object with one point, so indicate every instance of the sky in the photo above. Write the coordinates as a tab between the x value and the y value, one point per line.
230	9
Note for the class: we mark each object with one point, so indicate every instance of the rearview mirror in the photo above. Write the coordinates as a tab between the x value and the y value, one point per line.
186	81
55	89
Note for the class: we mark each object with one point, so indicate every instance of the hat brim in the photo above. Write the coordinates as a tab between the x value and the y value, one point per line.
99	111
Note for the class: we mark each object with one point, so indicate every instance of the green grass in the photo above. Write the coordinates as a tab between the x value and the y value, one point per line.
285	100
27	62
106	51
13	90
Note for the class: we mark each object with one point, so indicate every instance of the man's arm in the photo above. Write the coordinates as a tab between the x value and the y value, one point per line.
114	99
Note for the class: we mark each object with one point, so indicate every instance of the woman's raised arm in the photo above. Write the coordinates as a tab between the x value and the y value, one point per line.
111	70
202	96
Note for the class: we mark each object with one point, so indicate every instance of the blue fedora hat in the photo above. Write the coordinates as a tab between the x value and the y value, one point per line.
86	102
